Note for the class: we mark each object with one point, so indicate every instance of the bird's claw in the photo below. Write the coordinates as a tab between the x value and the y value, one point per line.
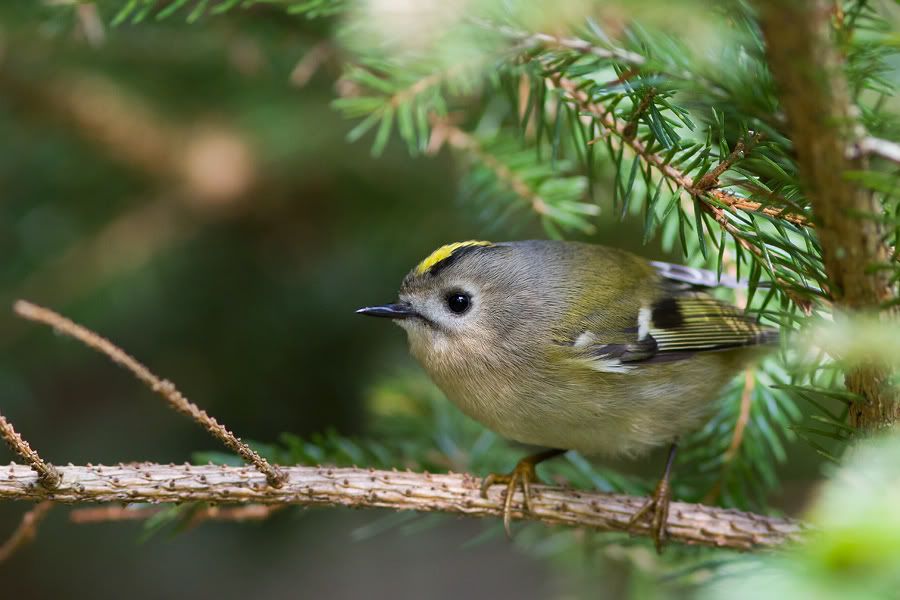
657	507
522	475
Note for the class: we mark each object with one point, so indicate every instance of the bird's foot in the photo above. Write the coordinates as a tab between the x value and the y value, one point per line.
523	475
657	508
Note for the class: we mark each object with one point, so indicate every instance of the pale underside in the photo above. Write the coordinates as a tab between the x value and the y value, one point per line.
621	397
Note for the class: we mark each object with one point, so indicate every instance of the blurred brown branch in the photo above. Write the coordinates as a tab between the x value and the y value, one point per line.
358	488
455	137
823	121
212	165
105	514
26	530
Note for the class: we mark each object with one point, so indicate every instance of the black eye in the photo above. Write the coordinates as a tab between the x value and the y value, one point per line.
458	302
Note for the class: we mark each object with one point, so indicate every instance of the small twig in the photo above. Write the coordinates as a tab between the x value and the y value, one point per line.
26	530
105	514
48	476
91	24
163	387
425	492
711	179
872	146
737	437
307	66
746	400
459	139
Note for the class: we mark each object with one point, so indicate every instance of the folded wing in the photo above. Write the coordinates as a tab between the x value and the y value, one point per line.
675	327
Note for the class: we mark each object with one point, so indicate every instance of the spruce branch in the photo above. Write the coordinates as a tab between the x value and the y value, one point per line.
711	179
368	488
163	387
712	201
387	94
823	122
656	160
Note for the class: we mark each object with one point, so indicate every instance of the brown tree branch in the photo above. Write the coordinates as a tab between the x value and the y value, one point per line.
424	492
823	123
26	530
163	387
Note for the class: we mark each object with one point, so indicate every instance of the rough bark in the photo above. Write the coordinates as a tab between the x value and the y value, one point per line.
357	488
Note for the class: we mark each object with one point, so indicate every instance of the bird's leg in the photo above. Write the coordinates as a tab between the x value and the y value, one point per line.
658	505
523	475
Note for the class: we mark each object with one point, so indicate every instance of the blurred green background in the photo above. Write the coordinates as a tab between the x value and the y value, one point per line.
187	191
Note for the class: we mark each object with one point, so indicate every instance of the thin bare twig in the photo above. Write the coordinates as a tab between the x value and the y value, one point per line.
91	24
457	138
239	514
307	66
424	492
26	530
746	400
48	476
737	437
163	387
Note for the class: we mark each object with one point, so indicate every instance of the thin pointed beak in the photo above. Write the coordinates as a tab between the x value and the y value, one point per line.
400	310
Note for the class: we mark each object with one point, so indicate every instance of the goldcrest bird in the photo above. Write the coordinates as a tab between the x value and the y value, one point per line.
574	346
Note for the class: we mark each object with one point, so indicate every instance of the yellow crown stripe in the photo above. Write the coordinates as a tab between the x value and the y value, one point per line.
445	252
